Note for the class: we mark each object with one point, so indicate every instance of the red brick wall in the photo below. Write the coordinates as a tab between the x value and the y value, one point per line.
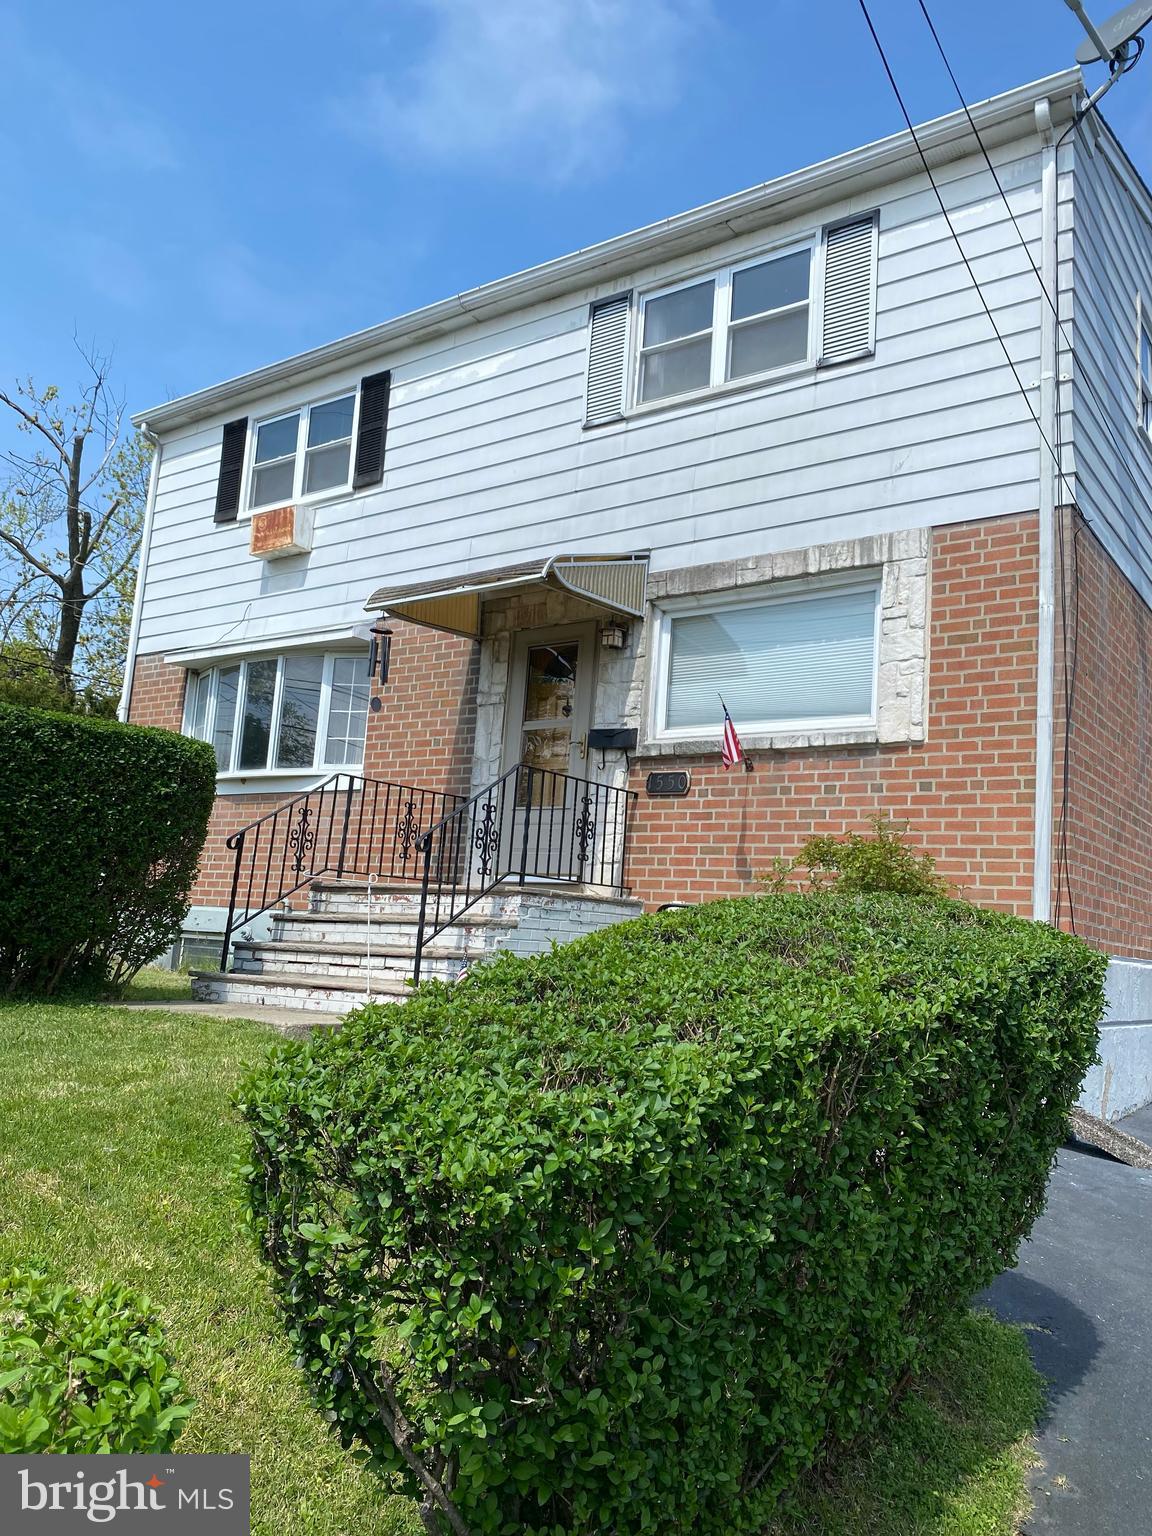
426	730
423	735
967	790
1108	811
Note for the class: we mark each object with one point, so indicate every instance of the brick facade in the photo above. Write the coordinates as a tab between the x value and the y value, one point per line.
1102	884
967	790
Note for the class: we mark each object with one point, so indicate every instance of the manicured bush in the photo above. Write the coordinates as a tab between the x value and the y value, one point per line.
103	827
81	1374
619	1237
862	863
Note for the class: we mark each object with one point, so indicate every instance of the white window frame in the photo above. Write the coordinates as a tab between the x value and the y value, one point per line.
757	597
232	769
304	412
1143	380
722	326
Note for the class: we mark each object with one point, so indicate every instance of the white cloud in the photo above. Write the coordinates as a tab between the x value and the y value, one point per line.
539	86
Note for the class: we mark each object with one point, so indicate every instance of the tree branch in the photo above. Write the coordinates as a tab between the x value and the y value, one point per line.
37	424
26	554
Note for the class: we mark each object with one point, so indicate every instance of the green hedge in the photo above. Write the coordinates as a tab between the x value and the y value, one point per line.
103	827
619	1237
82	1375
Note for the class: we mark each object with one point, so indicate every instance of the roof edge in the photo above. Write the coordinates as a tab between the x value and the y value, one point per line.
609	257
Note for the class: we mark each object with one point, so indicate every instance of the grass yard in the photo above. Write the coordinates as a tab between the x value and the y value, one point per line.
117	1160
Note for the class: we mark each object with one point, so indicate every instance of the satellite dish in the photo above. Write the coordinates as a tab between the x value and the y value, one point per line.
1116	33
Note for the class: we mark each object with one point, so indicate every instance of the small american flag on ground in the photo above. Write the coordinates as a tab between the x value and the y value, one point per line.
731	752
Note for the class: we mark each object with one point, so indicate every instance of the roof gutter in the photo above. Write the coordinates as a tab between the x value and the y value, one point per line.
851	175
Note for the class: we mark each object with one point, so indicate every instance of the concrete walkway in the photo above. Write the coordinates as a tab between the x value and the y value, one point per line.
1083	1290
294	1022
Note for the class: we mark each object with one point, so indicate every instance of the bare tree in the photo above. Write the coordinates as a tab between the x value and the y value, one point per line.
71	511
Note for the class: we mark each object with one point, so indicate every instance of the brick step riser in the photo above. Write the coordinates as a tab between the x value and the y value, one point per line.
311	999
404	905
396	967
313	929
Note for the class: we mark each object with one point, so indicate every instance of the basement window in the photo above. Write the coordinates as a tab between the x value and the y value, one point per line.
281	714
795	657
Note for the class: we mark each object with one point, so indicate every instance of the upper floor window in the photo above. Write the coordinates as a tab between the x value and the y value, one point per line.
304	453
798	657
300	711
1146	374
736	324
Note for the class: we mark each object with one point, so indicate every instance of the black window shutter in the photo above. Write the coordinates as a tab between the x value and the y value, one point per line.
373	430
231	471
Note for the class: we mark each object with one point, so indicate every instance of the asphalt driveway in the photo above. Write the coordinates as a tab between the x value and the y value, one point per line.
1083	1290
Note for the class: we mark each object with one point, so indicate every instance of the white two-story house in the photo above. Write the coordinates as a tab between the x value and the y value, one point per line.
878	476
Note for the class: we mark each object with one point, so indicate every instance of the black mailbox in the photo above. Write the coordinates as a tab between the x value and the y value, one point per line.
612	739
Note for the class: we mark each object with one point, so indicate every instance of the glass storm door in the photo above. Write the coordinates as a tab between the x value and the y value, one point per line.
550	709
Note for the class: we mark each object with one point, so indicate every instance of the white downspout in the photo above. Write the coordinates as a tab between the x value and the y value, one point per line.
141	568
1046	597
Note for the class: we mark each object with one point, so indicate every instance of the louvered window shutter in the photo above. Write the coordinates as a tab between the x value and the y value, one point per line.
849	319
607	359
373	430
231	471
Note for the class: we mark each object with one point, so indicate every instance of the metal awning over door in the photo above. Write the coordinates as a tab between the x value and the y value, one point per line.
615	583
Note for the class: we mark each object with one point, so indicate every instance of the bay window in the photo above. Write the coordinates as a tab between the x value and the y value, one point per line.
301	711
735	324
798	657
302	453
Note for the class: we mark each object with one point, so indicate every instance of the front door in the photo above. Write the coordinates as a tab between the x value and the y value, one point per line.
548	717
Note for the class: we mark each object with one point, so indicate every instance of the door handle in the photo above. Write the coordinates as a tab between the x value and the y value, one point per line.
582	744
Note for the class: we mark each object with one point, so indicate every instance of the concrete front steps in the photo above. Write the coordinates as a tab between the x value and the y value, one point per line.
354	943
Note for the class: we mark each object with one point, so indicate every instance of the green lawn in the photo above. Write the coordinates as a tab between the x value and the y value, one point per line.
116	1161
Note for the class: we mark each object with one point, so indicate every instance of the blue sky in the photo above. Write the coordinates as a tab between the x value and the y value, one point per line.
203	189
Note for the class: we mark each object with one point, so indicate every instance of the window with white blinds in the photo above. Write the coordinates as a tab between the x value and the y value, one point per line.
798	659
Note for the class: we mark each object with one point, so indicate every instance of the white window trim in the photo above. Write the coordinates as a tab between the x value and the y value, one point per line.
233	772
1143	385
303	412
721	278
778	591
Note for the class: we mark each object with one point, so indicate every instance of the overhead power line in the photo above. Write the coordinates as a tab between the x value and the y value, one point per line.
1020	385
1048	298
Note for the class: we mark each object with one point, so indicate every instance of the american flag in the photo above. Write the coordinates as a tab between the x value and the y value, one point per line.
731	752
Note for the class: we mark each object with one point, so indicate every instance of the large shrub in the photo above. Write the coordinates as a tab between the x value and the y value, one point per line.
103	827
617	1238
83	1374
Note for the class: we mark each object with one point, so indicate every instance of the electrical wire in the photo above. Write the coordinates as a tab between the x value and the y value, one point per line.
1069	576
1053	304
959	246
1069	648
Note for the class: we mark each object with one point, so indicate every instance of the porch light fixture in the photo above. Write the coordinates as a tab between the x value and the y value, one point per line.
614	637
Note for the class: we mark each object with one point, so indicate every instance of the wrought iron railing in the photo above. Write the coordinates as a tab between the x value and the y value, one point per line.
531	824
347	826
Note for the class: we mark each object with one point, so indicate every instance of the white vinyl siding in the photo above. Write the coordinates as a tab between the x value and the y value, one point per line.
274	714
302	453
488	463
739	323
799	658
